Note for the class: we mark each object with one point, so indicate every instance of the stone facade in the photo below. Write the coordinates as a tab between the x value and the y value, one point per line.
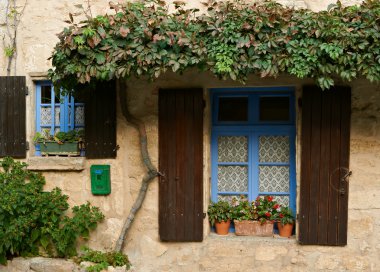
36	39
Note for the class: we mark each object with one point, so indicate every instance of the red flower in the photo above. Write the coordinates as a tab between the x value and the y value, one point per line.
267	214
281	215
270	198
276	206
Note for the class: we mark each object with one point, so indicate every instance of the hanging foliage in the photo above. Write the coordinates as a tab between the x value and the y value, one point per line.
230	39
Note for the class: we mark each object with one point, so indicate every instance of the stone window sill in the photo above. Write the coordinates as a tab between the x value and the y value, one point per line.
56	163
232	237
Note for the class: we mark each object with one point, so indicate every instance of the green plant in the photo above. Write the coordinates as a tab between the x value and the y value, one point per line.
103	259
38	138
285	216
262	209
219	211
70	136
233	39
60	137
33	221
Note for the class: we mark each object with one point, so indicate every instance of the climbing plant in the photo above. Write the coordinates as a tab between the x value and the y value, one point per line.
13	12
232	39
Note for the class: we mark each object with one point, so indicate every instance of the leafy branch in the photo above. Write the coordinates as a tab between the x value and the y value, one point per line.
232	39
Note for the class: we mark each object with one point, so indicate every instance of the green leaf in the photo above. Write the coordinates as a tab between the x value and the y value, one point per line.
35	235
44	241
100	58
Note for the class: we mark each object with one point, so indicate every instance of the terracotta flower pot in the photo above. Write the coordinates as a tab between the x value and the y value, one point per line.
285	230
253	228
222	227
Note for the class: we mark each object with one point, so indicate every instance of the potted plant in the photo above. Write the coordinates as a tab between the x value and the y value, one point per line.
285	222
219	214
62	143
256	217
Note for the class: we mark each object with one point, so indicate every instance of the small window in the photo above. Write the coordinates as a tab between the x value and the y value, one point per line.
233	109
274	109
56	113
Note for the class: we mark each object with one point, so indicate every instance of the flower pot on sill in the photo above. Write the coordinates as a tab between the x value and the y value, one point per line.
222	227
285	230
253	228
54	148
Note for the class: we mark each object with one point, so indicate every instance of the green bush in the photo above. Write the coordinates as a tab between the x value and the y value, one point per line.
32	221
103	260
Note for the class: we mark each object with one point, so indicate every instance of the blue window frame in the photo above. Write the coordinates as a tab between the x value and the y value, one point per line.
255	154
55	112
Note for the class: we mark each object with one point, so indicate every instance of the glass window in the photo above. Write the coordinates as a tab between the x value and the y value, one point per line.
274	109
233	109
56	113
255	157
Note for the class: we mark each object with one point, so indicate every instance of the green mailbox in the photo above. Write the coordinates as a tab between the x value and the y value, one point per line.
100	179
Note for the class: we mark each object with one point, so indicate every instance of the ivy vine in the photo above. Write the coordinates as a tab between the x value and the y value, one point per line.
231	39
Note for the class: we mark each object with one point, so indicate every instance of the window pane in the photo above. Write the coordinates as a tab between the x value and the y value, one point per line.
232	178
57	115
282	200
46	94
273	178
45	117
274	108
274	149
232	149
233	109
79	115
228	198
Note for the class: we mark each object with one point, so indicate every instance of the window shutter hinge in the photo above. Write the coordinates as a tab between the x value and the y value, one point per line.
27	145
300	102
204	215
26	90
297	216
204	103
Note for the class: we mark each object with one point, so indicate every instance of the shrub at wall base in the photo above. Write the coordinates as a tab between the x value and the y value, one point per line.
32	221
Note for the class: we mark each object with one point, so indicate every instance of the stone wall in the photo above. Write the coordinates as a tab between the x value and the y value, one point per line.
36	39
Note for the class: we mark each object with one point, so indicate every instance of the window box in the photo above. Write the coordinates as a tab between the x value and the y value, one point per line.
54	148
253	228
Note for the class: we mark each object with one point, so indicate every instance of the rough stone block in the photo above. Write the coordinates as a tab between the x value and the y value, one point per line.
40	264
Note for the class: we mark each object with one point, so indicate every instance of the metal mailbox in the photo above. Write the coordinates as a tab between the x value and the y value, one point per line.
100	179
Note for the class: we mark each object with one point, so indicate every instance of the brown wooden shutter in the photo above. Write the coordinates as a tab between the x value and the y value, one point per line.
325	146
100	121
12	116
181	162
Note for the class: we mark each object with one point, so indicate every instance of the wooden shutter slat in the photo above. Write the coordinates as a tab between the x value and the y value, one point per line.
315	165
305	167
180	179
12	117
324	167
3	112
100	121
334	170
198	167
325	154
344	163
180	134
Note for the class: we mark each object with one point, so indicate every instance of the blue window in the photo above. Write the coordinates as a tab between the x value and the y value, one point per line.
253	144
55	112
